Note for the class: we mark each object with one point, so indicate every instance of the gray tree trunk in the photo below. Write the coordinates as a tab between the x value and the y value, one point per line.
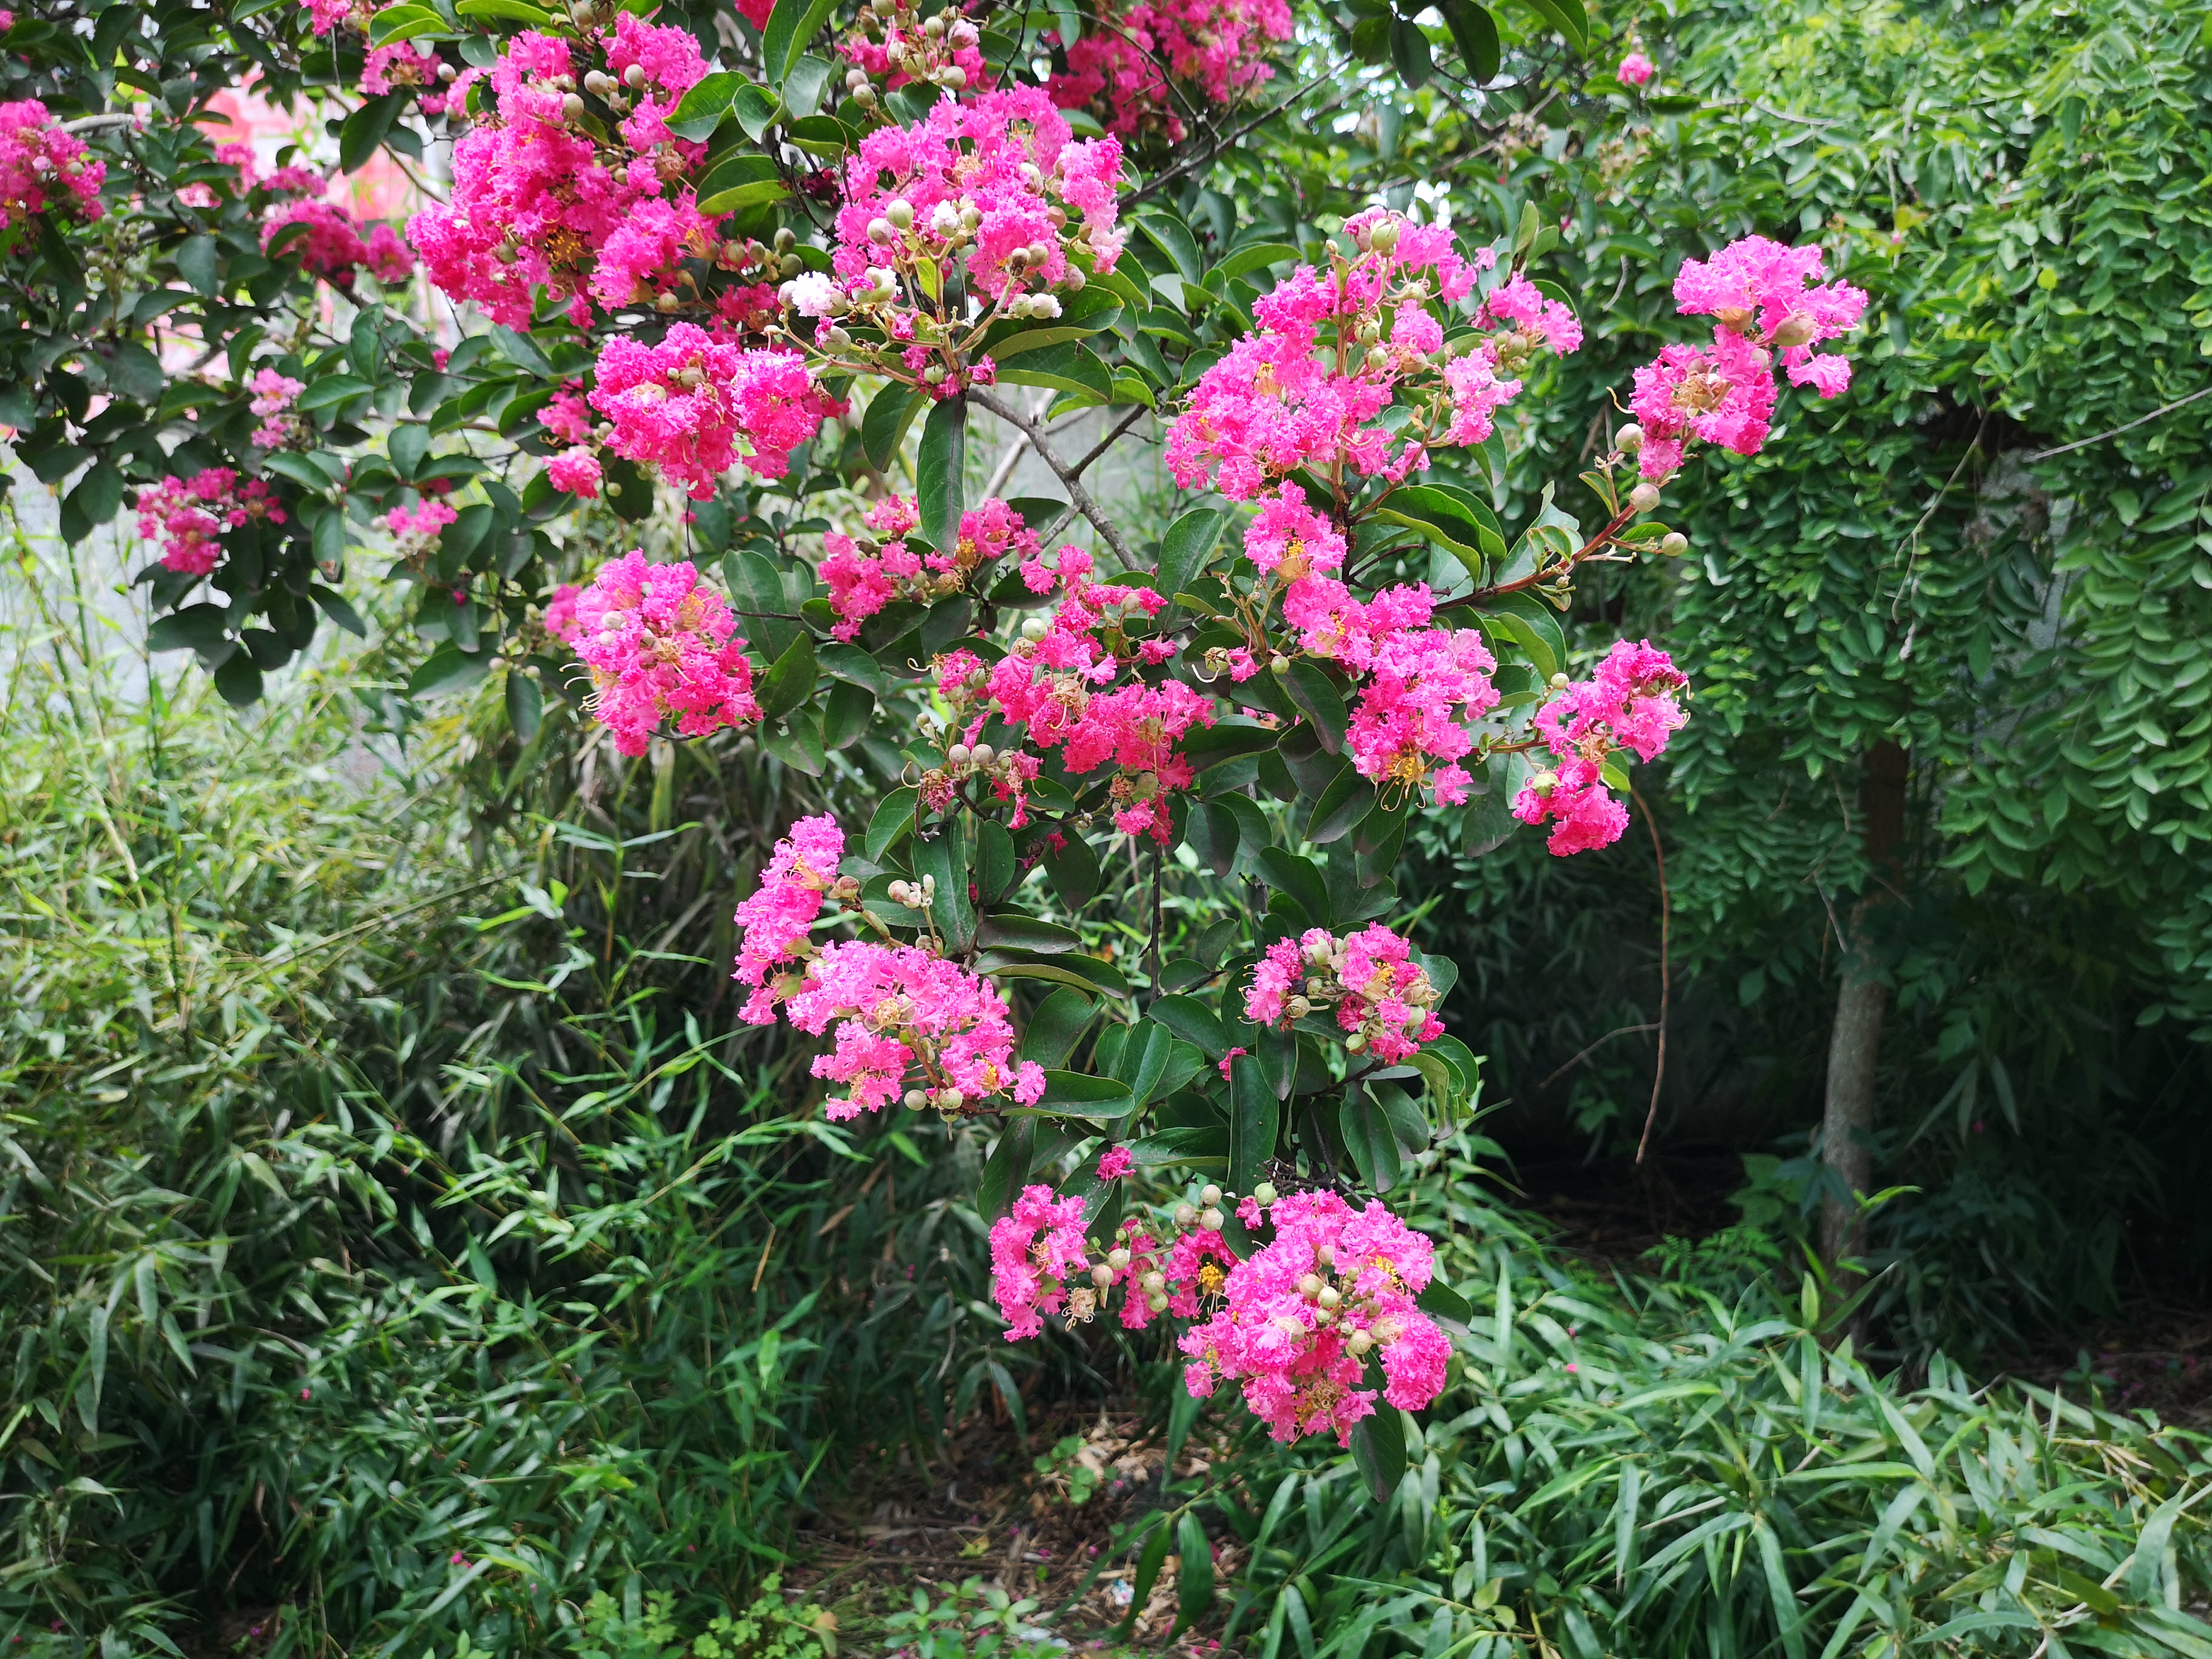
1855	1041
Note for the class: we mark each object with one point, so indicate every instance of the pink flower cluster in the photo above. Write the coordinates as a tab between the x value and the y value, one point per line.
537	201
40	167
950	56
416	528
1766	300
1330	355
1076	686
683	405
1384	1000
332	249
863	579
1628	703
1037	1250
291	179
900	1007
659	646
324	15
410	64
1217	48
777	917
1299	1317
189	515
1636	70
272	401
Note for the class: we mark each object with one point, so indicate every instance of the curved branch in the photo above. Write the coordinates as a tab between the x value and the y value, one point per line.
1070	476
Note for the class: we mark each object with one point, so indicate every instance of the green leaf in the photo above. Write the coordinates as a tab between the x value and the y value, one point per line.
1410	55
1194	1578
1078	1094
407	22
1568	17
1378	1451
339	611
525	705
1006	1170
195	264
1289	872
365	129
755	110
1058	1025
1342	807
1148	1572
882	428
944	855
790	682
892	822
198	628
446	670
1255	1121
757	596
238	679
791	29
1369	1138
1070	367
700	109
1315	693
846	713
940	473
1440	1301
1474	32
329	391
1451	519
1073	872
1173	238
1532	625
1184	549
1011	930
1253	255
1192	1020
512	11
803	88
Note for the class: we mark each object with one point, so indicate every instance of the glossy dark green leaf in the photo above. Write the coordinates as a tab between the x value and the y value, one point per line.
1074	872
1021	933
1474	32
196	258
892	821
525	705
1078	1094
1056	1027
365	128
1256	1120
1193	1021
790	681
1567	16
883	427
447	670
1195	1575
238	679
1410	55
1006	1169
1316	696
940	473
1185	547
1155	1555
1378	1449
791	29
943	854
198	628
700	111
1069	367
1295	876
1342	806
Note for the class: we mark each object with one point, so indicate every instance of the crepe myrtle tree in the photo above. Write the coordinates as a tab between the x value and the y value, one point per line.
789	247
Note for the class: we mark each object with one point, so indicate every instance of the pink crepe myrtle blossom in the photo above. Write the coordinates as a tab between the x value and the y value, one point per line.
577	471
324	15
684	405
43	168
1074	683
331	247
1037	1261
776	918
1636	70
660	647
1295	1322
863	578
537	200
1335	348
271	403
1115	1162
996	189
902	1007
416	528
1629	703
1384	1000
908	51
1768	303
561	612
188	516
1215	48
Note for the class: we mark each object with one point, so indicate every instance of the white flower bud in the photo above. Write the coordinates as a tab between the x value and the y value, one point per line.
1035	628
950	1100
1560	682
1796	330
1329	1296
959	754
1674	544
1359	1345
1185	1214
1644	497
1101	1276
1209	1194
880	230
1264	1195
984	754
1210	1220
1118	1258
900	212
915	1100
1310	1285
1325	1255
1628	439
1157	1302
1154	1282
952	76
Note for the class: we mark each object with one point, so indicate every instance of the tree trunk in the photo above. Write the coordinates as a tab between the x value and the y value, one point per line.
1854	1041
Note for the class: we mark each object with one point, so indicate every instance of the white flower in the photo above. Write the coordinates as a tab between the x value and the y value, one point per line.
811	293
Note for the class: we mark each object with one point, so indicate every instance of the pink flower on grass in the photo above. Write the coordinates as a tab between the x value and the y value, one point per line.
661	647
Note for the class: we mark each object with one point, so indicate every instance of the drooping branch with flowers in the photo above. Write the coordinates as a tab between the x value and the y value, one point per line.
713	261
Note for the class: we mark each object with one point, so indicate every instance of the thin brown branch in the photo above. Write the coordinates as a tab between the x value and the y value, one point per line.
1070	478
